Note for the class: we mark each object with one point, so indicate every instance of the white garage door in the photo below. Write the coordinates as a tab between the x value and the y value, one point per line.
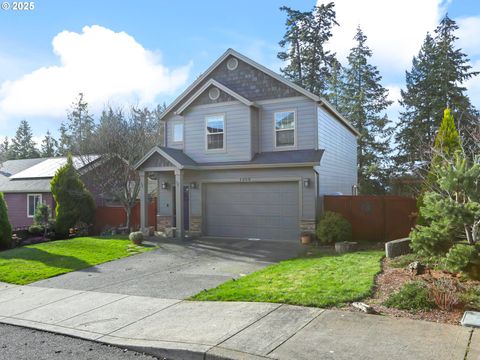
253	210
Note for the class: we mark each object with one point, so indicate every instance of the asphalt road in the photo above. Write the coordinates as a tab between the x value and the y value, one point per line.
18	343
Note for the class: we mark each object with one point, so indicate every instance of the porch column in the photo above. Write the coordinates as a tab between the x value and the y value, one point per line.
143	202
179	203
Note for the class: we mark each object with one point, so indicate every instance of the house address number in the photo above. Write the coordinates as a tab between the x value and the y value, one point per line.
245	179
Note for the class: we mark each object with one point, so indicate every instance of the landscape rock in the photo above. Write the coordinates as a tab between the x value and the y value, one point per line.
416	268
364	307
398	247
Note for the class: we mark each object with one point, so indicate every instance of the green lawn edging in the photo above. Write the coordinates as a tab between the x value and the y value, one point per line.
321	281
27	264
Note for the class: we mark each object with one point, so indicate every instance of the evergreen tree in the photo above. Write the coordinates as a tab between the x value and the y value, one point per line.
309	62
364	102
335	85
65	141
5	227
49	146
5	150
435	81
74	203
23	146
80	126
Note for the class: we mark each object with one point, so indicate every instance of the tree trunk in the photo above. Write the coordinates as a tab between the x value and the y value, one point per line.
128	210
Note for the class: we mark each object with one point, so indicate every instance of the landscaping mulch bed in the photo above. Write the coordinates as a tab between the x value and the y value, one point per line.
391	279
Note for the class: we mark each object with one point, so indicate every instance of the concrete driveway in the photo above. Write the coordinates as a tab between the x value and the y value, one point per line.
177	270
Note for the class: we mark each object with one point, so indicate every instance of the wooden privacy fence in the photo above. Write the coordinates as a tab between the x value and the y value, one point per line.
110	216
375	218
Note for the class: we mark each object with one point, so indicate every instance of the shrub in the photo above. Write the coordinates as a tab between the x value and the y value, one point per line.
444	293
412	296
5	227
136	237
471	299
74	202
36	229
460	257
333	227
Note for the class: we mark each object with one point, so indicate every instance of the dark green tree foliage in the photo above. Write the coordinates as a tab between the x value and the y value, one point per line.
23	146
75	204
436	81
65	141
364	102
49	147
5	227
309	62
77	133
5	150
335	85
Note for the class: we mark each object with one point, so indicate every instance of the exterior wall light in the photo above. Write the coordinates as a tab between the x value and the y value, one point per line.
193	185
306	182
164	185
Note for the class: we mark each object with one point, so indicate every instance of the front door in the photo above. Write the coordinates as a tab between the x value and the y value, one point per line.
186	207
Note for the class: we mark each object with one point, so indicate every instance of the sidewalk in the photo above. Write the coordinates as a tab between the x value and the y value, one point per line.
178	329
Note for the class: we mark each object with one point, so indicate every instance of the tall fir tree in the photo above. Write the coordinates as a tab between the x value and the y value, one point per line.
5	150
335	85
64	142
364	102
23	146
309	62
436	81
80	126
49	147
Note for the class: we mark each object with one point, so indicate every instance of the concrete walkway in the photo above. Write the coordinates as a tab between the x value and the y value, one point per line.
178	329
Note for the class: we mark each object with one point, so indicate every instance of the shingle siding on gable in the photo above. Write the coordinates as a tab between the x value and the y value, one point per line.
338	168
247	81
205	98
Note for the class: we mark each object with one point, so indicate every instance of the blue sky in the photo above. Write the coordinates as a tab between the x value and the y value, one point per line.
146	52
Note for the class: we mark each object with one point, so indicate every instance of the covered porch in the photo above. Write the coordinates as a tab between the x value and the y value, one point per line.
167	167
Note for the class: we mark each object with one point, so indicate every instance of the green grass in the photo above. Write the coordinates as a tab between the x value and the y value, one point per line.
27	264
319	280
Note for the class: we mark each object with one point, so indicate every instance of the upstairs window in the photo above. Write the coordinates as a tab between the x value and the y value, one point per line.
33	200
215	130
177	132
284	129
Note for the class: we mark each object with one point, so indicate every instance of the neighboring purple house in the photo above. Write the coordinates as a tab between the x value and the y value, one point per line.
26	183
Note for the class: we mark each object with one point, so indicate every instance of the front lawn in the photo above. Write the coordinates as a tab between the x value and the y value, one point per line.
27	264
320	280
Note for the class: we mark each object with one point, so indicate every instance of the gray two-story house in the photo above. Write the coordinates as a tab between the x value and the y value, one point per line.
248	154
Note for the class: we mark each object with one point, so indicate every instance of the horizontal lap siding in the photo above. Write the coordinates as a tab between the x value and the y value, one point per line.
17	208
306	126
338	168
238	134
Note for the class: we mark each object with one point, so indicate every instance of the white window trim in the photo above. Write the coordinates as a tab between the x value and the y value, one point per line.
223	149
28	204
289	147
178	122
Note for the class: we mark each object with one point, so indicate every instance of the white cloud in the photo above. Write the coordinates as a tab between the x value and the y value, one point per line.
105	65
395	29
469	28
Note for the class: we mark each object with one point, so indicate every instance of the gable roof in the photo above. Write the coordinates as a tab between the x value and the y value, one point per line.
33	175
222	87
232	52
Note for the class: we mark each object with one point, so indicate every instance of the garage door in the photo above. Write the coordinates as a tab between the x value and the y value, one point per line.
253	210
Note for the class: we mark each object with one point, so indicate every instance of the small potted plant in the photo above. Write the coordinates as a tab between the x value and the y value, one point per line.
136	237
306	237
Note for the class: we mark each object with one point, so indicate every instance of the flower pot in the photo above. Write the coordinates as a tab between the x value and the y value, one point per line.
305	239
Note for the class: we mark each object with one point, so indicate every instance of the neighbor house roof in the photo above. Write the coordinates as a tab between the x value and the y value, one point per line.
34	175
231	52
309	157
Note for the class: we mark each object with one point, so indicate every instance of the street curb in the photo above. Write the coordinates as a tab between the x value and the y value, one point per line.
167	350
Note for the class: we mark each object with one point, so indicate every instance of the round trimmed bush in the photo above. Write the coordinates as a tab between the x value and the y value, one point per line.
333	227
413	296
136	237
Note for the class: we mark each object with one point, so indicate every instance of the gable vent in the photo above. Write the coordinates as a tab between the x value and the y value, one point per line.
232	63
214	93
